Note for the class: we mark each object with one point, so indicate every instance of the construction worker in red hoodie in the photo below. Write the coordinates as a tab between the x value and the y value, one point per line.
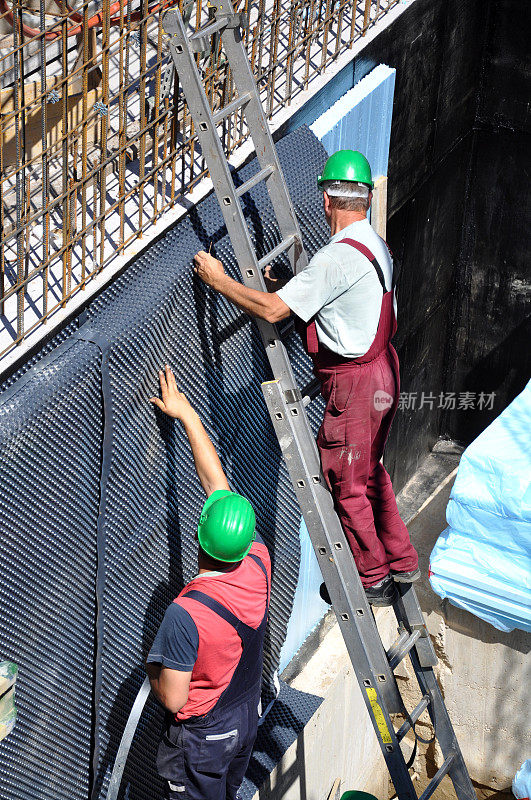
205	664
345	301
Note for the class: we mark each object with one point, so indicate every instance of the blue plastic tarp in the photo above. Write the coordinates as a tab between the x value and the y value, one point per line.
482	561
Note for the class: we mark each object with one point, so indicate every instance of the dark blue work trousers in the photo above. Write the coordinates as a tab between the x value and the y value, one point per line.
206	759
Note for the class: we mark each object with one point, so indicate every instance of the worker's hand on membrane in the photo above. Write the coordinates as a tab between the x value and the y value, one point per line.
206	460
265	305
173	402
208	268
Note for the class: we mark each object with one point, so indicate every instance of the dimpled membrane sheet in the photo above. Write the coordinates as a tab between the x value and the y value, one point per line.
159	312
50	454
291	712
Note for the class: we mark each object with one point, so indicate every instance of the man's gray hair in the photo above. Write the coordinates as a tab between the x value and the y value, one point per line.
346	189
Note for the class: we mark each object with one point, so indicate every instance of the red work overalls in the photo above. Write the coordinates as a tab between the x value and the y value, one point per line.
361	397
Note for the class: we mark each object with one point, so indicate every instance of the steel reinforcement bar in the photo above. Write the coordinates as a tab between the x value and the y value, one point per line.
96	143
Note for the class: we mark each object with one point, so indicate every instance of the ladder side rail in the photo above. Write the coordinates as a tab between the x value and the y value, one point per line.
328	539
423	659
261	135
377	682
409	613
212	149
443	728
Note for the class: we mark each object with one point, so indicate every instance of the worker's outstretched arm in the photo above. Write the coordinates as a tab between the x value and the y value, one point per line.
174	404
266	305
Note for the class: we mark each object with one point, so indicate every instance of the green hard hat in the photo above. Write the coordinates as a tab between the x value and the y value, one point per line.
226	526
346	165
355	795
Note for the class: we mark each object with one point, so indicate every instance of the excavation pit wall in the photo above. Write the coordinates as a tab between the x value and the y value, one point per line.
458	107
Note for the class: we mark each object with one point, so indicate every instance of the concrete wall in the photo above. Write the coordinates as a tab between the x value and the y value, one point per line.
490	351
339	741
436	49
457	211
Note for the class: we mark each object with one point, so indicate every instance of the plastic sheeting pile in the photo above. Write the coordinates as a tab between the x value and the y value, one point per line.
482	561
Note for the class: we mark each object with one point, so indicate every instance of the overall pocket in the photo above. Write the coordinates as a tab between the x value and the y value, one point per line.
342	390
216	751
170	755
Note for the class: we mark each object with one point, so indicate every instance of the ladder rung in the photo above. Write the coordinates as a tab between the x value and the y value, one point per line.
197	38
280	248
259	176
401	648
399	642
230	108
413	717
311	391
437	778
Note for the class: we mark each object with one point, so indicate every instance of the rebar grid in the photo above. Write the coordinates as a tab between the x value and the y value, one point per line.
96	142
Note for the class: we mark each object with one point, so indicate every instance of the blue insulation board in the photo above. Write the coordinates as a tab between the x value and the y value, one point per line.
308	608
482	561
361	119
101	499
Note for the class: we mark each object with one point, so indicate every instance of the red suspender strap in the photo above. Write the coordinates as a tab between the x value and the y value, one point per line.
312	342
368	254
359	246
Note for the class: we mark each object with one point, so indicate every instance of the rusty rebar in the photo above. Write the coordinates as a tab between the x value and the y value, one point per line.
143	62
84	145
366	16
44	165
155	111
19	178
66	282
288	43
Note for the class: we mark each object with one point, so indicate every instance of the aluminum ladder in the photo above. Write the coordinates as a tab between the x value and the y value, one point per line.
374	667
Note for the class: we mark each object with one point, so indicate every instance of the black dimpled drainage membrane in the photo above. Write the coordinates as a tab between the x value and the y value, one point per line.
281	727
79	675
50	454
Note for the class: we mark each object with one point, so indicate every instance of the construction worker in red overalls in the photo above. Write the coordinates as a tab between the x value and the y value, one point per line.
205	664
345	302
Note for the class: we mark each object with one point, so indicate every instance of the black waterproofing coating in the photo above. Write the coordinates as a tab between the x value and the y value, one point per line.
100	499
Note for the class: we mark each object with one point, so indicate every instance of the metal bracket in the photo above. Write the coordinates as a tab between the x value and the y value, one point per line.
422	630
292	395
165	88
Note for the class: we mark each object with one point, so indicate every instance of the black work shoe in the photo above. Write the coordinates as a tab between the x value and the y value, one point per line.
383	593
323	591
406	577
